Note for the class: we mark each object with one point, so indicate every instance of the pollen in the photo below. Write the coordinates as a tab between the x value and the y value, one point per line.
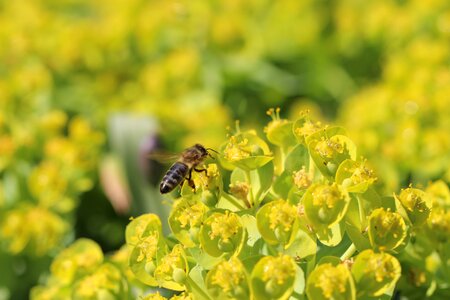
332	279
276	120
327	195
191	216
387	229
413	200
170	262
302	179
282	215
240	190
225	226
279	269
148	247
329	148
308	128
237	150
362	174
228	275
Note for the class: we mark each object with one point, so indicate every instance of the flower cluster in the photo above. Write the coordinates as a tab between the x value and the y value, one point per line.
51	161
266	236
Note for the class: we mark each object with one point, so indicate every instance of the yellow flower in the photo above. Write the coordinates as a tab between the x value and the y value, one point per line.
387	229
375	273
279	269
236	150
282	215
41	237
362	174
308	128
329	148
192	215
171	265
156	296
240	190
327	195
228	275
225	226
148	247
332	280
104	283
302	179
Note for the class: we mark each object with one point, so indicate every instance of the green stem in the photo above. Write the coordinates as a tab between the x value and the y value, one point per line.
283	158
196	289
349	252
249	180
362	214
312	168
235	202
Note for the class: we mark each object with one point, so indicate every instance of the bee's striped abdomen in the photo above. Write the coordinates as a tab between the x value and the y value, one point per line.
173	177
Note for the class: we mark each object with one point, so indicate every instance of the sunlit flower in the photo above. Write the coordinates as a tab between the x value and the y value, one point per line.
302	179
387	229
278	269
225	226
228	275
282	215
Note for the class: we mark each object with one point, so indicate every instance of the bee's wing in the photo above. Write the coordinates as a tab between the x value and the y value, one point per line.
163	157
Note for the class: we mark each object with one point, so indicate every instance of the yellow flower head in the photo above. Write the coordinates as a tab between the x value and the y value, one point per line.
362	174
329	148
148	247
413	200
302	179
308	128
169	263
156	296
387	229
279	269
225	226
228	275
439	223
41	237
332	280
376	273
327	195
282	215
276	120
192	215
237	149
240	189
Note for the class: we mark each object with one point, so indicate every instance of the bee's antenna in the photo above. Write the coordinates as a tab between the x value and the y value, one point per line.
212	150
210	153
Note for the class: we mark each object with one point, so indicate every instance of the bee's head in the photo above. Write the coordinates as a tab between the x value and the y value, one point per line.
201	149
204	151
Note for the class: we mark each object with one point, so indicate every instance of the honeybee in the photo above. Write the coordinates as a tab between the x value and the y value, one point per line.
181	170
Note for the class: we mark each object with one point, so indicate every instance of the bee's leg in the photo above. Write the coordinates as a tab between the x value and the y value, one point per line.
190	181
201	170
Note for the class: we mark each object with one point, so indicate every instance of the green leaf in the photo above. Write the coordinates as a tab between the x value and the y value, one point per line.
196	284
330	236
250	226
203	259
279	132
303	244
283	184
296	159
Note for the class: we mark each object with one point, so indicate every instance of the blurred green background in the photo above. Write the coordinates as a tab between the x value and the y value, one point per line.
88	88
